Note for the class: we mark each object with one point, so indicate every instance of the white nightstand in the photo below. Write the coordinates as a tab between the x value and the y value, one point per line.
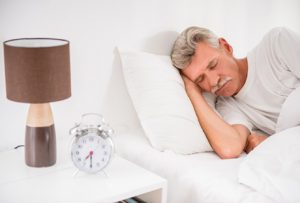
20	183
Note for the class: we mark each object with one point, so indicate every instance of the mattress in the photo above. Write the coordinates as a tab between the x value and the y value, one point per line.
201	177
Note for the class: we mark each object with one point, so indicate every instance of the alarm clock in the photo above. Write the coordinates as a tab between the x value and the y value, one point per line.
92	146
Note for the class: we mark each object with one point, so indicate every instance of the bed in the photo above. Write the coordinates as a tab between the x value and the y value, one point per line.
270	173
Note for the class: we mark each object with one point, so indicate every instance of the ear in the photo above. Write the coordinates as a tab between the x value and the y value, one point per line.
225	46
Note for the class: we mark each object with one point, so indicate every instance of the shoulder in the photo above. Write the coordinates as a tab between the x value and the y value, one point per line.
278	31
278	42
280	35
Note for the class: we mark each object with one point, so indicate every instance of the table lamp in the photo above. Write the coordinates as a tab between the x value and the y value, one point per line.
37	71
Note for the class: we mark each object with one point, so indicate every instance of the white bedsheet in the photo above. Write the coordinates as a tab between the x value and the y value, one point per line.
197	178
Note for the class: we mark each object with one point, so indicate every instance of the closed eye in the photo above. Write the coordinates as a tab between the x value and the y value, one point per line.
200	79
214	65
211	66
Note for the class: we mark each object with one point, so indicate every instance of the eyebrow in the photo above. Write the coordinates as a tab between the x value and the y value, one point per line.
211	63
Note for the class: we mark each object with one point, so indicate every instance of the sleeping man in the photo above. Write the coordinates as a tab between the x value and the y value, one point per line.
250	90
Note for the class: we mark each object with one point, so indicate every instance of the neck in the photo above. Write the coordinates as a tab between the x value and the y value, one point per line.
243	71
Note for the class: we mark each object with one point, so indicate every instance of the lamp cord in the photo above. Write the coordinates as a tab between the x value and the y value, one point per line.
18	146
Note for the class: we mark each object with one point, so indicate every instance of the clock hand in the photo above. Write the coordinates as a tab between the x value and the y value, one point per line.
90	154
91	158
91	162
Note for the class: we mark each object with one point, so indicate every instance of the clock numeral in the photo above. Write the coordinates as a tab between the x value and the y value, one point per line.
79	159
77	152
84	141
79	146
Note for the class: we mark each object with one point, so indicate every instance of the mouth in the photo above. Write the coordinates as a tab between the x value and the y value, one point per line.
220	86
218	92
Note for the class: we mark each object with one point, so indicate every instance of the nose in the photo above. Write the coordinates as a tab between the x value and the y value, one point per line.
213	79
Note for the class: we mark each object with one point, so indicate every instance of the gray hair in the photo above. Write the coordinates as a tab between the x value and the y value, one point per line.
185	45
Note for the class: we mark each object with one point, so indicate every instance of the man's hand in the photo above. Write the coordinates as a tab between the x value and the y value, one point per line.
190	86
253	140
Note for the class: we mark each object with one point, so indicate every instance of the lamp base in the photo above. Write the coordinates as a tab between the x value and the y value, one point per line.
40	139
40	146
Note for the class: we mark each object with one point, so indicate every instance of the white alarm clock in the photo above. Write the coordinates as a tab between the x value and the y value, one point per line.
92	147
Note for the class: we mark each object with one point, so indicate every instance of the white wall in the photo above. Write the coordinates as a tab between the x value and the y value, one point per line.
96	27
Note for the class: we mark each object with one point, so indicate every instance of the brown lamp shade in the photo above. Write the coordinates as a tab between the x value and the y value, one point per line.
37	70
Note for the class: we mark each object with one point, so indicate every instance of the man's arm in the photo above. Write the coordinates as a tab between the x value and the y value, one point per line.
228	141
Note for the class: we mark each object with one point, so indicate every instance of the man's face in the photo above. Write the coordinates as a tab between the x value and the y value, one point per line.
214	70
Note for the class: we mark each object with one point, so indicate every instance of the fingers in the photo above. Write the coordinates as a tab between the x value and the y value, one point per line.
190	86
251	143
248	148
253	140
186	79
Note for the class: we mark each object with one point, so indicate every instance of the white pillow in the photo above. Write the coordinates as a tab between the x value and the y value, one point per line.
273	167
290	112
162	105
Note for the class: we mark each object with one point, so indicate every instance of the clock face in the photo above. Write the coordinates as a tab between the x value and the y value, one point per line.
91	153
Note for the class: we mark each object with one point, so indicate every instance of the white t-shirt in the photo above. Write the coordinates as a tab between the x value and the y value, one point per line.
273	73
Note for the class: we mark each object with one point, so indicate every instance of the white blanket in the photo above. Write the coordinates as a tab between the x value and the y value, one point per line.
273	168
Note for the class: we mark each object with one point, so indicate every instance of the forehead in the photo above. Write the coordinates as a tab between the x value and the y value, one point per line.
203	55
